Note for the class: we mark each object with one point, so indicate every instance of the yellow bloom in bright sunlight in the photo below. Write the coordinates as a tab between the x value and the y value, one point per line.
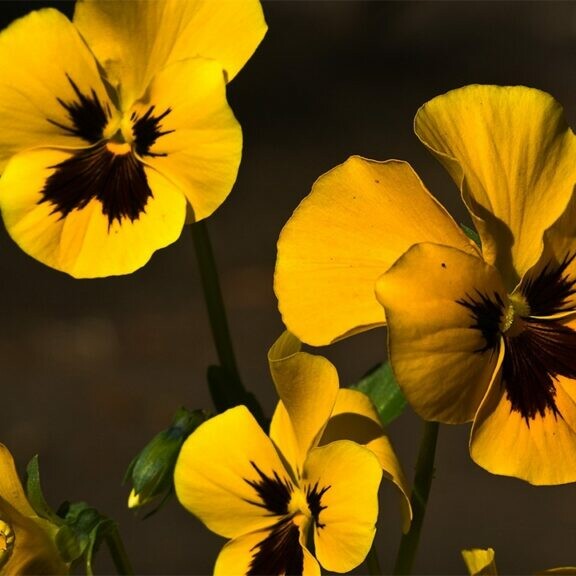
116	128
313	482
475	334
26	541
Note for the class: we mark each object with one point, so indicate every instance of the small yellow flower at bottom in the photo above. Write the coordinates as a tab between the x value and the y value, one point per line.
307	483
481	562
27	542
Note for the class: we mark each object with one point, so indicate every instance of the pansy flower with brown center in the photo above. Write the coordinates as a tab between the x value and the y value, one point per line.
484	334
308	493
115	127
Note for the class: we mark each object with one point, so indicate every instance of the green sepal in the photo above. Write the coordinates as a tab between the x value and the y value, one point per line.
224	394
380	385
85	529
472	234
151	471
36	495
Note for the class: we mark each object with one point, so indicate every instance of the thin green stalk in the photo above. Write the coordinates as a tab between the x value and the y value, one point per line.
372	562
214	301
118	553
225	384
419	499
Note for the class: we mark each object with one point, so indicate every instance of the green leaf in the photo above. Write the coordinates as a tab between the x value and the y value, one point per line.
35	494
380	386
472	234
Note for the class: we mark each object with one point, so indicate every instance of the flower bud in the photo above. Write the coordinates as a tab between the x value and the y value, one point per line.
151	471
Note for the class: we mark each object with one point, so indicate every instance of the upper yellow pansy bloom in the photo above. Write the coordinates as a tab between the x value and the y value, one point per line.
115	125
27	543
317	474
474	334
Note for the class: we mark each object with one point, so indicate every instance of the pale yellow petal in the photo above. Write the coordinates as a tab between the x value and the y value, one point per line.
359	218
42	58
200	145
480	562
512	154
307	385
135	40
84	243
216	471
346	477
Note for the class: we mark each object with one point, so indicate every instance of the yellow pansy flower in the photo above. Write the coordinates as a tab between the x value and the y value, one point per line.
115	127
315	478
27	542
483	334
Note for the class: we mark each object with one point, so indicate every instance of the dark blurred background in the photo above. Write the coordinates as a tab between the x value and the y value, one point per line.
92	369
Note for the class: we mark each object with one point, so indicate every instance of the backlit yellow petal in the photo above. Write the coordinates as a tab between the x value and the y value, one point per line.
514	157
32	549
347	524
480	562
541	451
135	40
439	354
41	55
214	467
84	243
202	145
358	219
355	418
10	486
307	385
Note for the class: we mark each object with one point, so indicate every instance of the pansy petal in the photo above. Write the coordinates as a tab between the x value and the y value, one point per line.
540	450
444	309
11	489
219	468
135	40
355	418
358	219
284	556
199	142
342	482
514	157
84	241
307	385
480	562
550	286
47	67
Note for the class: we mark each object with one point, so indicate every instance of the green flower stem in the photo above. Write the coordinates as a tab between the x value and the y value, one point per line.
419	499
234	393
118	552
372	562
214	301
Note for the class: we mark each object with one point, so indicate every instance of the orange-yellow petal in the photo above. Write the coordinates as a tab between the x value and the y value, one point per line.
437	301
358	219
480	562
355	418
540	450
513	155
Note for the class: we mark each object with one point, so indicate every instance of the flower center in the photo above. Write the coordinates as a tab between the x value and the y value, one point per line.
516	309
7	541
